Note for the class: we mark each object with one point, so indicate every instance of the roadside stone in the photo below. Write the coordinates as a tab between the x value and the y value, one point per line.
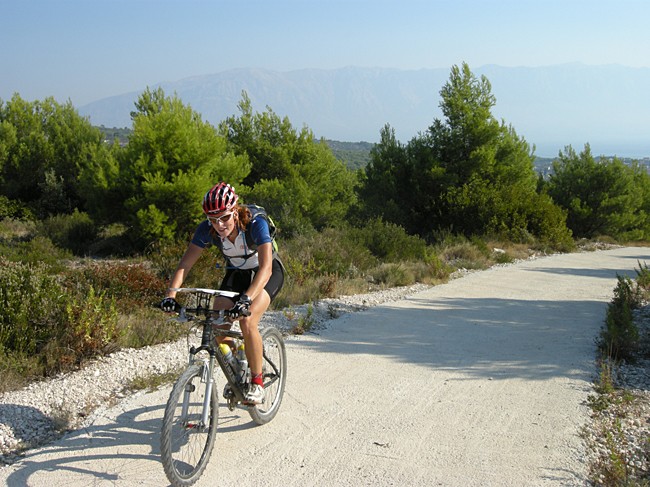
44	411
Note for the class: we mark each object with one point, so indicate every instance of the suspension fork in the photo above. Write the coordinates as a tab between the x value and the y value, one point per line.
188	391
208	378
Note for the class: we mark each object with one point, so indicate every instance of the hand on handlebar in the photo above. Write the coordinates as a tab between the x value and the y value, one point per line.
241	308
169	305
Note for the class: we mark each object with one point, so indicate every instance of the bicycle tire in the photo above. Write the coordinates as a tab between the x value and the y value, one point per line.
273	383
186	449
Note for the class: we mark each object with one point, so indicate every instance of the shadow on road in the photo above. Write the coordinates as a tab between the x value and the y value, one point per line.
496	338
125	451
490	337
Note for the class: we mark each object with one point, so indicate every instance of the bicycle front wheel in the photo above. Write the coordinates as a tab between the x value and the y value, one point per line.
274	370
185	440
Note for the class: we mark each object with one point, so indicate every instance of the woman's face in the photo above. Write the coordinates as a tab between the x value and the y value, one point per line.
224	223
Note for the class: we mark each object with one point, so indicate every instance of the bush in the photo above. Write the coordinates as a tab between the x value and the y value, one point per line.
620	335
331	251
32	306
389	242
89	327
14	209
44	327
131	285
37	251
74	232
112	240
643	278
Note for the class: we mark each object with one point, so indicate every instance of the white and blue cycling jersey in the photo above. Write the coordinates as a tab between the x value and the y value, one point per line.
238	253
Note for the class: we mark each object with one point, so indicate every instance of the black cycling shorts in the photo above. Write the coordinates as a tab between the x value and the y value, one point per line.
239	280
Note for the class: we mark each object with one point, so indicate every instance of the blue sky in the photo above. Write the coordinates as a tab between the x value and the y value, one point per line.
85	50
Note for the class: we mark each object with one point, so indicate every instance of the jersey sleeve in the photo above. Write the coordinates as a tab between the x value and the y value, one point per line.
202	236
260	232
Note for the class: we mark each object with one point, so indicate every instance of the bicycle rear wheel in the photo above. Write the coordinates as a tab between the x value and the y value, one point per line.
185	442
275	375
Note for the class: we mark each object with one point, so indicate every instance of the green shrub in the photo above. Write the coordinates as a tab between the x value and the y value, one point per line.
32	306
164	256
13	231
89	327
389	242
112	241
14	209
464	254
643	277
74	232
620	335
331	251
391	275
45	327
39	250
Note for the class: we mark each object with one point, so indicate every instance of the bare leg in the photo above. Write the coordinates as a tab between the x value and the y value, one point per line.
252	337
224	303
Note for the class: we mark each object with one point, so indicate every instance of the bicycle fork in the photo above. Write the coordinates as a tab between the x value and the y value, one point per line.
208	380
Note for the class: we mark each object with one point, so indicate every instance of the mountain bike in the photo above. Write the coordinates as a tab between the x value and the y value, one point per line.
191	415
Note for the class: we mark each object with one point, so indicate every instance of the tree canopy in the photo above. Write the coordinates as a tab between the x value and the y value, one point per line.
44	147
602	197
467	174
295	176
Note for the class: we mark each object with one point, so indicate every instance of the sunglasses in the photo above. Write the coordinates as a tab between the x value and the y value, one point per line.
225	218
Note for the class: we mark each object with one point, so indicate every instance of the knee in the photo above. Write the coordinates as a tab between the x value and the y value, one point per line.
247	325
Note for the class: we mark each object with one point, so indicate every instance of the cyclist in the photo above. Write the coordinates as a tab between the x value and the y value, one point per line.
255	273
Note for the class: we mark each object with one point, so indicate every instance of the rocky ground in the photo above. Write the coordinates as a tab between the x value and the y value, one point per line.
44	411
618	438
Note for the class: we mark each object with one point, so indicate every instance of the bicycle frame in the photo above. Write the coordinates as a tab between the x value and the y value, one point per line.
212	319
191	414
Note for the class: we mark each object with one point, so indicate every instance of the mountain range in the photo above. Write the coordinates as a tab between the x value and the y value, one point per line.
551	107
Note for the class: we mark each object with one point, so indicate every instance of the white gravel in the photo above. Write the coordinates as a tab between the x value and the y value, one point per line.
45	410
42	412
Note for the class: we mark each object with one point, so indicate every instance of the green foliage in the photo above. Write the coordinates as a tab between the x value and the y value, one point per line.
41	318
92	326
14	209
355	155
643	278
51	321
74	232
296	178
164	257
32	305
620	335
331	251
35	250
468	174
171	160
389	242
601	197
43	148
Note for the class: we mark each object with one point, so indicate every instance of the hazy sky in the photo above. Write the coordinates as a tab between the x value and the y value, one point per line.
84	50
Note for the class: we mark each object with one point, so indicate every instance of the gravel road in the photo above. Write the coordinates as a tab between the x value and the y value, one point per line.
481	381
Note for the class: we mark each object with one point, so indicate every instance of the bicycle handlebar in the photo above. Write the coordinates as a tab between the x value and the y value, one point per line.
212	292
204	297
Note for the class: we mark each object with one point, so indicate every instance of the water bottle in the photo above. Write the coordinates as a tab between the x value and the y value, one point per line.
243	363
229	356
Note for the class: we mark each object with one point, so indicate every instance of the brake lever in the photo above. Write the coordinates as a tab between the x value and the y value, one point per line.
181	318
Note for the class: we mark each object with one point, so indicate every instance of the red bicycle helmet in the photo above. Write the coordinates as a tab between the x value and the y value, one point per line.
221	197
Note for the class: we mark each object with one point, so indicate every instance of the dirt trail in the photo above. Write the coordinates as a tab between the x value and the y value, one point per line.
481	381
